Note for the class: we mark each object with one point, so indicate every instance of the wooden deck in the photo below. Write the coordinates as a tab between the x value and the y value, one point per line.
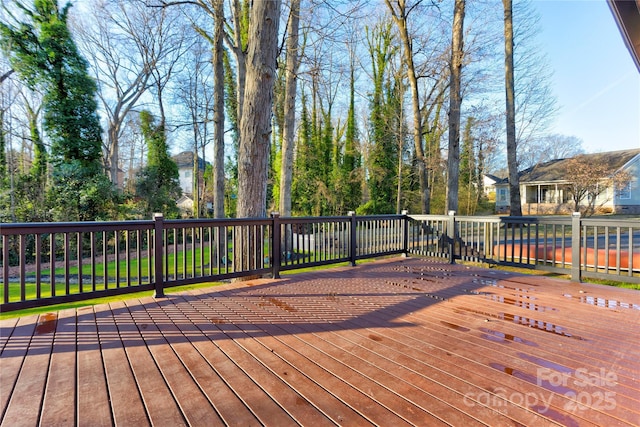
394	342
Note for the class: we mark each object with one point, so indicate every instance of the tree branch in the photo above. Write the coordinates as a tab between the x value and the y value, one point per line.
6	75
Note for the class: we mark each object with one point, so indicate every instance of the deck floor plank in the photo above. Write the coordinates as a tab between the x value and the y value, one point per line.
6	329
193	404
26	397
341	379
454	338
13	357
93	407
401	341
59	402
158	401
480	411
404	384
293	403
210	374
126	402
277	358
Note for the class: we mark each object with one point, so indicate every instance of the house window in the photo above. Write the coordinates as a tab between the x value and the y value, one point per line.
502	195
187	174
625	192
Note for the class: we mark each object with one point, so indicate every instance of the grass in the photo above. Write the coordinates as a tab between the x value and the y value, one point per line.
87	270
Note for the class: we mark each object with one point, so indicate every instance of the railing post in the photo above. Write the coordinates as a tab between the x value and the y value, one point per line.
353	241
158	231
576	267
276	249
405	233
451	234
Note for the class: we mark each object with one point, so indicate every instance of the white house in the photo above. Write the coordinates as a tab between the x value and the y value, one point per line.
184	161
543	187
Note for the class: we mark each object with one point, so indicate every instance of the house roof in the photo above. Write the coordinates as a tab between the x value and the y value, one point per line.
556	170
627	16
185	159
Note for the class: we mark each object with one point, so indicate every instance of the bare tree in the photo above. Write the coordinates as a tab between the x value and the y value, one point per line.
218	111
255	121
6	75
455	101
400	13
535	103
291	77
126	43
512	163
590	178
194	90
548	147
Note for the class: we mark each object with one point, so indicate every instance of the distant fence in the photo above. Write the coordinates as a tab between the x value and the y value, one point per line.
50	263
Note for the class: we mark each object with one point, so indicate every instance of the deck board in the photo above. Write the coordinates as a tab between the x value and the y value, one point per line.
60	393
394	342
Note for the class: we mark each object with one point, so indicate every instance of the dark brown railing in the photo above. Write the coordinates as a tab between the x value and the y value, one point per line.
50	263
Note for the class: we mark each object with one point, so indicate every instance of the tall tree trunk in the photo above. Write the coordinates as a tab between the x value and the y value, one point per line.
195	180
255	122
289	109
218	113
512	163
255	128
400	18
114	155
455	99
241	58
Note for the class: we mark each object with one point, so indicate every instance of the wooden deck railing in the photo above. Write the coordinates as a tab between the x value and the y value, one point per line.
49	263
607	248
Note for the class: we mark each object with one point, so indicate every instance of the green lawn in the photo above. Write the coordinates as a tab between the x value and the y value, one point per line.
183	267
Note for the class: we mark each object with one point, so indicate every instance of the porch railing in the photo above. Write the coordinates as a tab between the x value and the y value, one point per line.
50	263
606	248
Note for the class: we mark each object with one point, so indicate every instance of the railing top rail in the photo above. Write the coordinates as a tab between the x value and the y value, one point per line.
424	217
219	222
7	229
602	222
312	219
377	217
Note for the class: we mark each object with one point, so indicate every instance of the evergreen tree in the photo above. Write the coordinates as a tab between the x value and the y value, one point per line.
39	164
468	171
3	150
45	56
158	183
302	186
467	155
383	155
351	162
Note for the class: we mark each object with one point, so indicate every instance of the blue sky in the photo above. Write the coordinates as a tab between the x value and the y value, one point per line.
595	80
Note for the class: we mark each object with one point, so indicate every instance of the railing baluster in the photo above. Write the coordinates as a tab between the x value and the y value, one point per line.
5	268
79	252
127	248
38	266
92	244
23	265
545	243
